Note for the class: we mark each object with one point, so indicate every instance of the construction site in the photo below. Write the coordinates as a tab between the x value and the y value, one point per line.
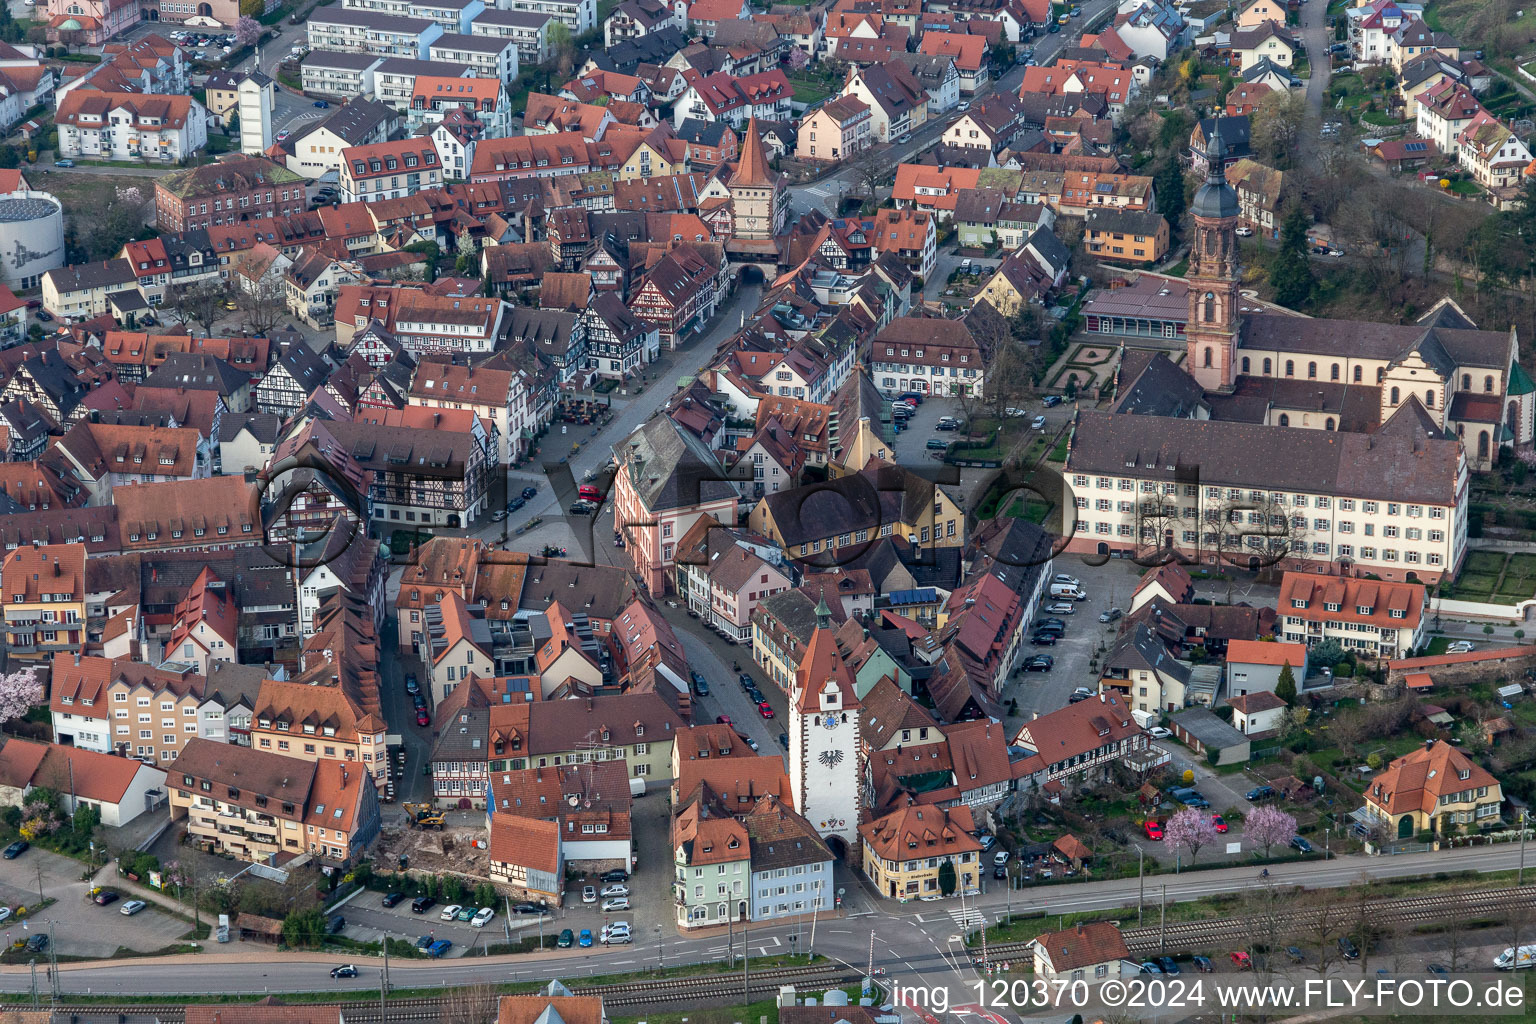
427	843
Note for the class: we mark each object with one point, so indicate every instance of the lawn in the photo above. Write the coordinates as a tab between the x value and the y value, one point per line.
1179	269
1466	188
811	88
1379	119
90	191
1034	511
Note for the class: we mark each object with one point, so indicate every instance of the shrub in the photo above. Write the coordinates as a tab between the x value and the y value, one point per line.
1344	669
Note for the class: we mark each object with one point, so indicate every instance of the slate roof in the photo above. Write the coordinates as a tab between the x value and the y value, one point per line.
669	468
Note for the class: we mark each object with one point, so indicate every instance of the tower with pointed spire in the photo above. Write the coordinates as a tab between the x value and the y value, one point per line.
824	710
759	203
1211	336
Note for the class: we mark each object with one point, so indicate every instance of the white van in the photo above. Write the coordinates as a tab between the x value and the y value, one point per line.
1069	591
1506	961
1145	719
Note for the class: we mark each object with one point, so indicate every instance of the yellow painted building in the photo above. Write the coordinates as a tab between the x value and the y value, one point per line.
905	851
881	500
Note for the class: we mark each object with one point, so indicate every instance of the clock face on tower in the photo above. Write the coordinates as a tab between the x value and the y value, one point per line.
830	722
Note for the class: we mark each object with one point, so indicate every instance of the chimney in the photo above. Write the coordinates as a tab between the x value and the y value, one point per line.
1101	696
1079	928
343	777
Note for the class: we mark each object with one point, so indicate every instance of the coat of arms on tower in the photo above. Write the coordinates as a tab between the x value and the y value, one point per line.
831	758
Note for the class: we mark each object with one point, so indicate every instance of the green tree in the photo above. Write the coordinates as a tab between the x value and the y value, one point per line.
453	889
304	928
947	878
1285	687
87	817
1168	185
1327	652
1291	272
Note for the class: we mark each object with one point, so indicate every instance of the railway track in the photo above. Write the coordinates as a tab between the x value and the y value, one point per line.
657	993
1403	910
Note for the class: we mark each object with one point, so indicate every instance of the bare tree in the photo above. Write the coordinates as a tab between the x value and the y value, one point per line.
1457	954
263	306
1322	922
474	1004
872	167
1277	123
201	303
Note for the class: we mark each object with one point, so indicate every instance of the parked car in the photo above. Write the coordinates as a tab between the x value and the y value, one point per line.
438	948
1052	401
1150	967
937	444
616	889
615	875
422	718
913	398
1347	948
906	137
1044	639
1112	615
530	908
1154	830
1082	693
615	903
1220	823
529	492
105	897
585	938
1038	423
66	162
1168	965
1244	232
411	683
1001	871
393	898
1062	608
450	912
1260	793
615	937
1157	732
566	940
1040	663
498	515
1203	964
322	104
1295	954
466	914
765	709
589	894
1460	647
483	917
16	849
132	907
37	943
344	971
701	687
723	720
1300	845
1241	960
784	740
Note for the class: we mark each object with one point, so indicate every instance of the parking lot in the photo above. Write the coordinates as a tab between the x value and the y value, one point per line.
80	927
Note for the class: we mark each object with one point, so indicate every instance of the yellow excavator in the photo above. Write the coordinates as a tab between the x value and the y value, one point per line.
424	816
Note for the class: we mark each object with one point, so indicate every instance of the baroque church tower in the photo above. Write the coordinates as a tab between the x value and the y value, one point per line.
1211	335
824	710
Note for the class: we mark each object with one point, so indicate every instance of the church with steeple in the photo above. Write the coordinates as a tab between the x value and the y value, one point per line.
1266	365
824	710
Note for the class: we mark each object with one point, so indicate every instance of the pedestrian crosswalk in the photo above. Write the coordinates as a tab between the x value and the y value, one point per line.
970	917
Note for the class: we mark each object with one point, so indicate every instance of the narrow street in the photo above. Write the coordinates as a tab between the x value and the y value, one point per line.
1317	37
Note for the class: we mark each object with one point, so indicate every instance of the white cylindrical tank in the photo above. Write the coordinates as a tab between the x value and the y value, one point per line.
31	237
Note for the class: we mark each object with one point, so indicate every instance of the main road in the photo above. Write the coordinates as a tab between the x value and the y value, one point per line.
914	942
